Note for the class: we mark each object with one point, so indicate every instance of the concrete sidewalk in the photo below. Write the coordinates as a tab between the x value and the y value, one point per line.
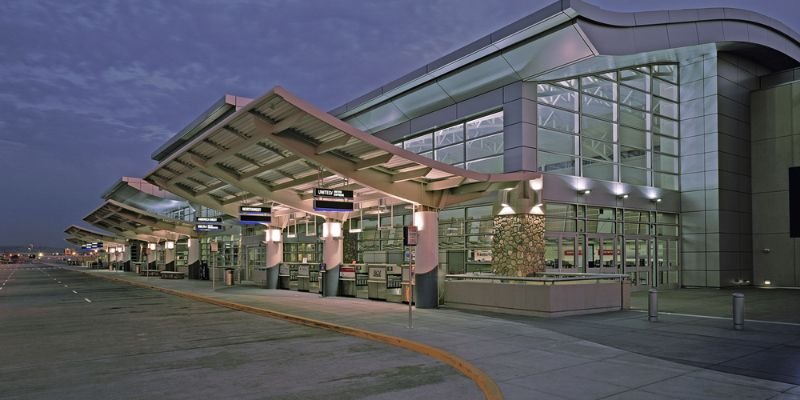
610	356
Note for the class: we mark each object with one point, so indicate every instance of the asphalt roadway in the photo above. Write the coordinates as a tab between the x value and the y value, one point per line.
134	342
65	335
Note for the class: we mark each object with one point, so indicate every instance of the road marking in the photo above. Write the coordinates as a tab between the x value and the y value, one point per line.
1	288
66	286
758	321
74	292
87	300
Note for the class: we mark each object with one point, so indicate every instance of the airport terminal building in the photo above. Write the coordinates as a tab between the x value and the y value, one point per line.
654	145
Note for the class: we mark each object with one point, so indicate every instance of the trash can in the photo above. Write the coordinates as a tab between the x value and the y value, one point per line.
228	276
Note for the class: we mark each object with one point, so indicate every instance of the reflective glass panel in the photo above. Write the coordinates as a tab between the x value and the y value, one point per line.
665	126
560	210
561	120
634	78
559	225
487	165
665	89
633	118
450	135
598	150
599	87
597	107
598	170
485	125
633	98
665	144
634	176
597	129
667	72
551	252
663	162
419	144
485	146
666	181
665	107
451	155
556	163
633	157
632	137
557	142
557	96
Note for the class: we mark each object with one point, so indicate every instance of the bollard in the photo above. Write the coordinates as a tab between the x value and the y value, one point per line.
738	311
652	305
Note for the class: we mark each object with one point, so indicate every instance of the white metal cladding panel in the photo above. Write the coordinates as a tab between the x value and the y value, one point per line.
359	149
204	149
226	138
234	163
270	176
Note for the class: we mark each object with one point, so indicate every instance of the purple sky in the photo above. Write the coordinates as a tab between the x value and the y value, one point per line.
88	89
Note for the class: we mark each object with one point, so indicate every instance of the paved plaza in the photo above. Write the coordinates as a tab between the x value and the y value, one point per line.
138	342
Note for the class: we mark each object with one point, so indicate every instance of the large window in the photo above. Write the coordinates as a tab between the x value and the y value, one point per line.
476	144
617	126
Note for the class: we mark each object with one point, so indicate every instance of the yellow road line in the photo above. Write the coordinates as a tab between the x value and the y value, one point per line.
485	383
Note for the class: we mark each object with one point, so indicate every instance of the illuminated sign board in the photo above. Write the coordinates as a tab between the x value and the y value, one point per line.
254	210
251	215
93	245
333	206
207	227
333	193
410	235
208	219
254	219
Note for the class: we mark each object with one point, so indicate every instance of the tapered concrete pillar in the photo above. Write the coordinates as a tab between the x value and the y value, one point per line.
427	258
169	255
332	256
193	255
274	256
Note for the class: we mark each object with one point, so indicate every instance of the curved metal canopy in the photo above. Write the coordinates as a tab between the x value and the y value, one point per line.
80	235
279	147
133	223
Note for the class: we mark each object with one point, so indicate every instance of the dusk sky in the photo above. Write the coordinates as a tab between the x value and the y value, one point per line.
88	89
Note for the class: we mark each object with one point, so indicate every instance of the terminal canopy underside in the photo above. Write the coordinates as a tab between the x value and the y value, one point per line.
133	223
79	236
278	148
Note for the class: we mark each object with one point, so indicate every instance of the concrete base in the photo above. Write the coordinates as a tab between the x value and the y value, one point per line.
427	289
538	300
330	282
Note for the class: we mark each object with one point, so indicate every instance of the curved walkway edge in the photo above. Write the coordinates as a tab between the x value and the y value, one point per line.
489	387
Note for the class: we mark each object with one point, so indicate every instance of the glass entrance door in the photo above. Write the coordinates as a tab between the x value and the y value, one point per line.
667	265
638	262
602	254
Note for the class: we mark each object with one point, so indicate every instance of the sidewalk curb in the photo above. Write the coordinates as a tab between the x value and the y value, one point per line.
485	383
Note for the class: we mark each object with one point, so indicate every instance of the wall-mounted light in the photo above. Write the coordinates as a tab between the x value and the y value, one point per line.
332	229
151	246
274	235
767	283
622	196
112	250
120	249
584	192
656	200
170	245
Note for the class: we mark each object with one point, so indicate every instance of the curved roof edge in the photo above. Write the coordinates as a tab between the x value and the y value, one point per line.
623	32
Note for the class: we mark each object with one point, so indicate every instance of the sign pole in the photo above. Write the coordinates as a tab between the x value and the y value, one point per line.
411	278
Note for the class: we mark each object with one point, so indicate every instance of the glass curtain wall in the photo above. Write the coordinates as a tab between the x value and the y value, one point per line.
643	244
476	144
617	126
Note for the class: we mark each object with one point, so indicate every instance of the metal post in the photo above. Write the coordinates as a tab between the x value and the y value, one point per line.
652	305
738	311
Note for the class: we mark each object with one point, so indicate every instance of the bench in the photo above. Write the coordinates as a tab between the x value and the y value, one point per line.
171	275
149	272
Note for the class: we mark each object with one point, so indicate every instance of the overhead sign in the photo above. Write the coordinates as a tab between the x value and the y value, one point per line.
333	206
208	219
333	193
207	227
254	210
410	234
251	215
93	245
254	219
